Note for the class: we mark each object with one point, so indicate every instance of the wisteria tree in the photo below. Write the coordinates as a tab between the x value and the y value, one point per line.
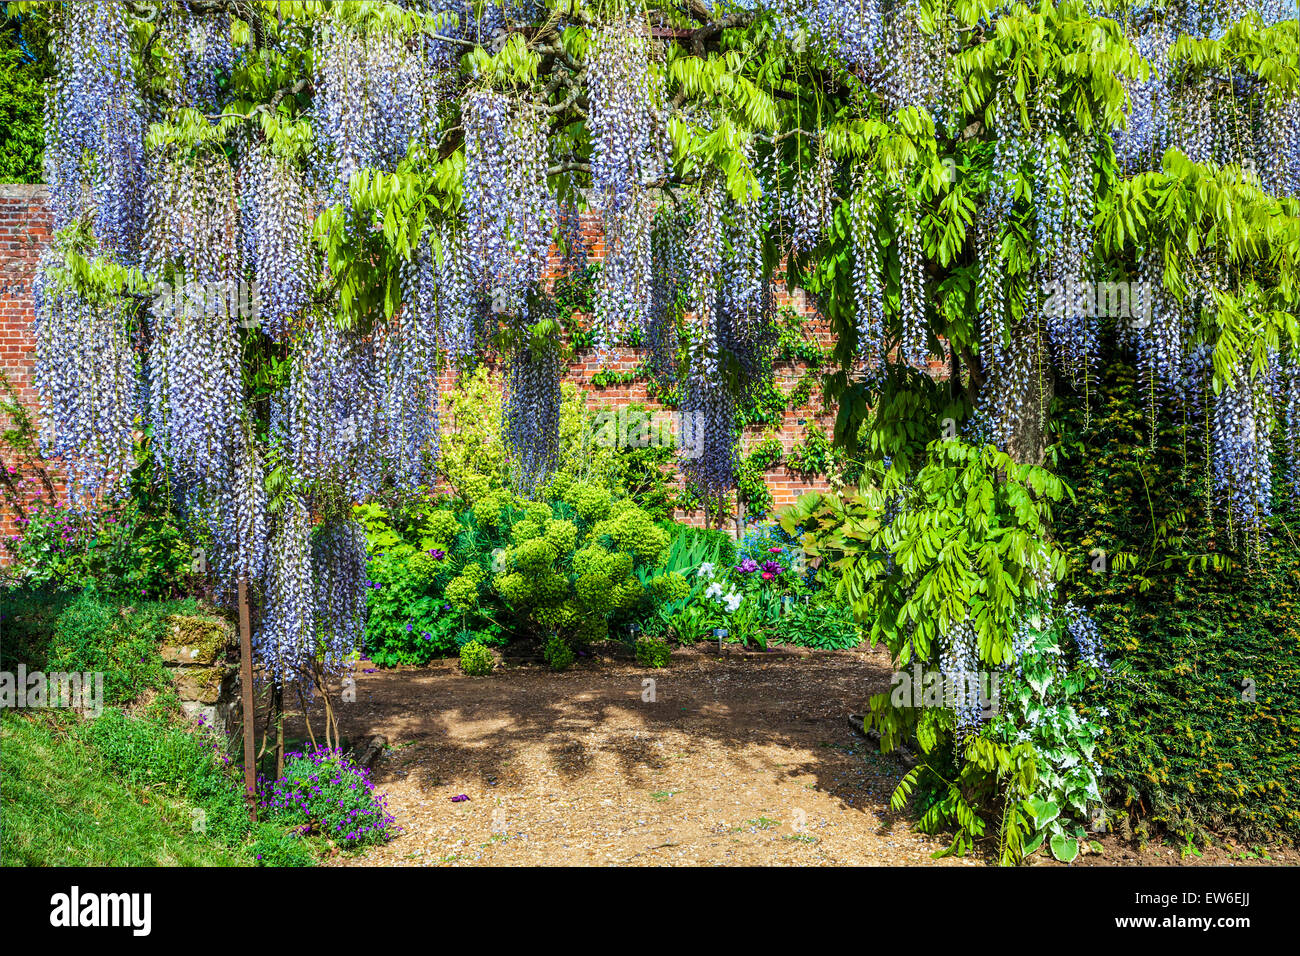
952	181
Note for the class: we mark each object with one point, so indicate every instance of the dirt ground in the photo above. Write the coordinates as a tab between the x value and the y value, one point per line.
743	759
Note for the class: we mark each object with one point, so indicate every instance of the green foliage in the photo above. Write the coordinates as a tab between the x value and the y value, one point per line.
408	622
965	542
134	549
273	845
475	659
151	753
568	564
1041	703
652	652
1187	622
473	462
557	653
324	793
960	544
25	65
65	806
90	631
827	627
813	455
751	484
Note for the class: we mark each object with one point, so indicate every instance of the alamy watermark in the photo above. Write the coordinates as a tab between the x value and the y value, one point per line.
1117	300
932	688
640	428
234	297
37	690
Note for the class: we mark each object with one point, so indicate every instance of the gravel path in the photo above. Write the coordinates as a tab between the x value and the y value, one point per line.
747	759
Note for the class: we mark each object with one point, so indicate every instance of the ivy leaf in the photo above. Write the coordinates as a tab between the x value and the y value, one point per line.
1064	848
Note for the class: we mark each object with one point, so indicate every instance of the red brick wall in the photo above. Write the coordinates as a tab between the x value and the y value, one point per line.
25	231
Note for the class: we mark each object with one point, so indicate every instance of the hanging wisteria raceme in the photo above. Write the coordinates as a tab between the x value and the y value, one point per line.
733	342
569	228
338	560
285	640
865	211
281	209
417	366
1242	469
744	284
192	218
912	348
992	294
1083	630
462	317
709	428
203	53
196	395
811	204
630	149
233	506
358	410
329	422
509	212
191	246
626	121
960	668
706	243
375	94
408	82
302	416
1011	386
746	329
1158	328
1010	154
1277	149
344	114
1141	143
625	289
670	264
915	72
1072	308
1050	213
1194	133
853	29
409	392
531	412
95	125
86	377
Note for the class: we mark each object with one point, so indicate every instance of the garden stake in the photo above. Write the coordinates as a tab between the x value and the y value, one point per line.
246	692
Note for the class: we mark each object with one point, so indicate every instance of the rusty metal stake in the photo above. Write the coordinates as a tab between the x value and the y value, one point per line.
246	693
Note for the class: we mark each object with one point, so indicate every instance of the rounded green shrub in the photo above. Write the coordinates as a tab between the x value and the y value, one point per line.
652	652
475	659
462	591
558	654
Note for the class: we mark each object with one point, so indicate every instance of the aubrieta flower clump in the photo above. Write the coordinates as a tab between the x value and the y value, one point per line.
325	793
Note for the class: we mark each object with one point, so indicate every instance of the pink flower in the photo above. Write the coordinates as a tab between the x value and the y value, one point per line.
775	550
767	575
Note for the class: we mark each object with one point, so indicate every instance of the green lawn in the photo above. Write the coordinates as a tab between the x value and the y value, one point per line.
60	807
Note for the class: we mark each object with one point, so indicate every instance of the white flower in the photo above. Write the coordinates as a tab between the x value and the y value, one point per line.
714	591
705	570
732	601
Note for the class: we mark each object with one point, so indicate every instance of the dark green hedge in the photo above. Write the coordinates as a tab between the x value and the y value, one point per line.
1185	751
